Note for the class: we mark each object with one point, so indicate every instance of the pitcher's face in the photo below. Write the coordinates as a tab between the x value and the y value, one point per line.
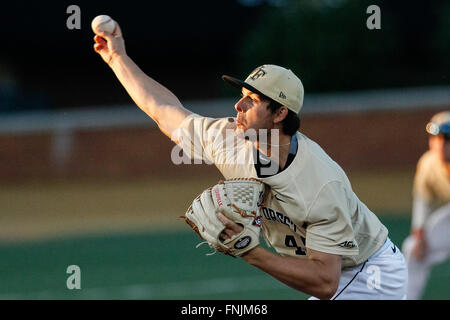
252	112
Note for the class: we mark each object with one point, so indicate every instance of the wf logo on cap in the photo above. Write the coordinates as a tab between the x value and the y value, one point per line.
257	73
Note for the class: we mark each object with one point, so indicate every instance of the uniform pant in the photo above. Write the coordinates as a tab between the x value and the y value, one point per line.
382	277
436	229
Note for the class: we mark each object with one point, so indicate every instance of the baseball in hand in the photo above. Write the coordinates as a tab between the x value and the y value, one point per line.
103	23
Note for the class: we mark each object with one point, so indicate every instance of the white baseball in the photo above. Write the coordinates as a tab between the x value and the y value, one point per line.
103	23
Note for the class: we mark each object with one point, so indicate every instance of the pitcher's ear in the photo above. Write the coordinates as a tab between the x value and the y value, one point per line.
281	114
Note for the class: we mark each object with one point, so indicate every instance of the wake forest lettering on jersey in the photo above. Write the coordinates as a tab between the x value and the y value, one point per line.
277	216
289	240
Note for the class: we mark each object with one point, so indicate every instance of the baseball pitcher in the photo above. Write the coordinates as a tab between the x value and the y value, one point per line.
279	184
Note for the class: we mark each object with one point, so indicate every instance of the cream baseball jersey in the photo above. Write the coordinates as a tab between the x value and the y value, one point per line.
431	186
311	203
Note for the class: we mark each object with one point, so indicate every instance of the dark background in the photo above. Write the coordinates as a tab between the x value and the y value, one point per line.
188	45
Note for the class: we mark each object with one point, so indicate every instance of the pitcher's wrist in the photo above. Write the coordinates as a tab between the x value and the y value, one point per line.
115	60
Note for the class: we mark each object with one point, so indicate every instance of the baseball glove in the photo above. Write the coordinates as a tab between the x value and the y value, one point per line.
240	200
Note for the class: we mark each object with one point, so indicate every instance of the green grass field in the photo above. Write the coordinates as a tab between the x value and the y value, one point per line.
156	265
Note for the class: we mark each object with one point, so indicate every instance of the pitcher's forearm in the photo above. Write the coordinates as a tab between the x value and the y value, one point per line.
303	274
154	99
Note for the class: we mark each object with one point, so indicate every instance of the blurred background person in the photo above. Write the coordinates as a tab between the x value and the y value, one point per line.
429	243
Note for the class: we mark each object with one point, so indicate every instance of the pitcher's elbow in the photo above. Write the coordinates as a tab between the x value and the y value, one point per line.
327	290
330	291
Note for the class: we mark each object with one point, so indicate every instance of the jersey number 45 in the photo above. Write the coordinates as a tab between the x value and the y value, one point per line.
290	242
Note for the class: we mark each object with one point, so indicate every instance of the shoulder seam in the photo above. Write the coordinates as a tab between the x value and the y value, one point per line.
317	195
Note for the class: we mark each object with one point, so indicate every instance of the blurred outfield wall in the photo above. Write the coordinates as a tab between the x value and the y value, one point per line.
370	130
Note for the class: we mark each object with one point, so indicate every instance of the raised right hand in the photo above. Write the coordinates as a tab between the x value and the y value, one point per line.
110	45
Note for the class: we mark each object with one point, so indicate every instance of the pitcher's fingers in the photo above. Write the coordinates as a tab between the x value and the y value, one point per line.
117	31
106	35
226	222
230	233
223	236
229	224
99	39
98	47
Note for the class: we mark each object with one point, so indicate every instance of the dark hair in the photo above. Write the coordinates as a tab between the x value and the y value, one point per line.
291	123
